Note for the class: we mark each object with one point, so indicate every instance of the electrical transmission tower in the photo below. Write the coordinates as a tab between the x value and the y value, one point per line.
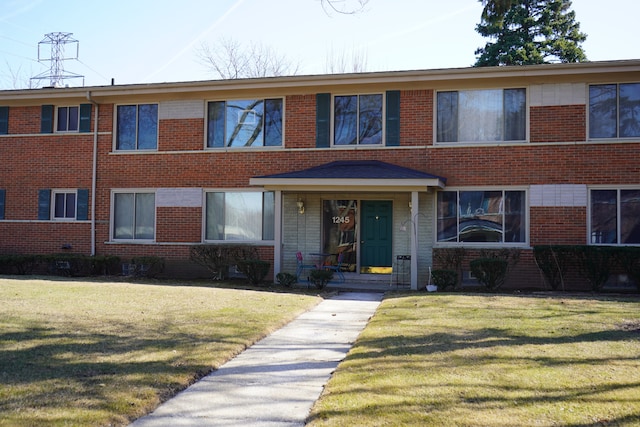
57	74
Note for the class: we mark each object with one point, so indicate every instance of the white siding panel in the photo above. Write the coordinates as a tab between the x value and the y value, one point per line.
568	195
557	94
181	110
179	197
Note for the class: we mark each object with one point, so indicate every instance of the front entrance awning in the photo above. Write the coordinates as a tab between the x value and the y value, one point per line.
347	175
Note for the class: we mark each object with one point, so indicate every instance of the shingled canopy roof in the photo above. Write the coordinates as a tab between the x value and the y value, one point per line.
348	175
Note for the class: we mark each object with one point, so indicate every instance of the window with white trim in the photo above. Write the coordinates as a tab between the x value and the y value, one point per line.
358	119
64	205
134	216
137	127
615	216
240	216
481	115
493	216
68	119
614	110
245	123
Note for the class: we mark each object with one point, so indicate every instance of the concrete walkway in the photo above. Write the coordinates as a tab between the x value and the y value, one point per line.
276	381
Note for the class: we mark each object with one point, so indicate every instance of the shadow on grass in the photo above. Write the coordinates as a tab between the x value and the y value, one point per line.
403	346
124	374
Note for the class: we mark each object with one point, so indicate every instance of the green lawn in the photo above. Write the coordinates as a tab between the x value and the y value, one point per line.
487	360
76	353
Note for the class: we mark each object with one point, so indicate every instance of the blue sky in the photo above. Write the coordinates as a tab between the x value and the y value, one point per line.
145	41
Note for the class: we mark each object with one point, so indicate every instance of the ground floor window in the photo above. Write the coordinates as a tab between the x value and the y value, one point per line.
615	216
64	205
134	215
339	228
494	216
241	215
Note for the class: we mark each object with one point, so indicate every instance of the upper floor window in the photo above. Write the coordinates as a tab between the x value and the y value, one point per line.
137	127
64	205
614	110
68	119
245	123
65	119
242	215
357	119
615	216
481	216
481	115
134	215
4	120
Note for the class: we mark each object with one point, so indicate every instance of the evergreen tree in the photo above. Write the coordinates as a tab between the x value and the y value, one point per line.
529	32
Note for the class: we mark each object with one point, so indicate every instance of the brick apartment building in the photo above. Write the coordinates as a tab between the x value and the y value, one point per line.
371	165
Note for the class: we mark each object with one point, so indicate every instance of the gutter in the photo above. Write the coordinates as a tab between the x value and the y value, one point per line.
94	174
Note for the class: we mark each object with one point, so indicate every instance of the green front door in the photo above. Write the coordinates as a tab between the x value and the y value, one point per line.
376	236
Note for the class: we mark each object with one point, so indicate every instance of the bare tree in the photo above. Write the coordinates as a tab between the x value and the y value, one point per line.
229	59
345	7
16	78
344	63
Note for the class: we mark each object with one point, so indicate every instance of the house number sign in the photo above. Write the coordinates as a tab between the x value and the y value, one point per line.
340	219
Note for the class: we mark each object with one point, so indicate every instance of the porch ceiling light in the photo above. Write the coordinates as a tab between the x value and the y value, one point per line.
300	205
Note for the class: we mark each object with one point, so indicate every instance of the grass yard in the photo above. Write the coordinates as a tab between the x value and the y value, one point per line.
488	360
77	353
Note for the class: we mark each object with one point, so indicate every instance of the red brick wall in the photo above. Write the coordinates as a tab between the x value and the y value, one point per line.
416	117
178	225
605	163
65	161
558	225
558	123
183	134
33	238
37	162
24	120
300	121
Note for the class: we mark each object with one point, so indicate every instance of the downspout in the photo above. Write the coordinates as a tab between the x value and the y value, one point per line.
94	174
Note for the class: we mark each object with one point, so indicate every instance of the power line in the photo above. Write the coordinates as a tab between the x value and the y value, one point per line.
17	41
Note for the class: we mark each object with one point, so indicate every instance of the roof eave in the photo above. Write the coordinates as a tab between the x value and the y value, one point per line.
344	185
323	82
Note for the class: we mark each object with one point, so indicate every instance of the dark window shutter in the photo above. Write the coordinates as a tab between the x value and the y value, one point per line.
4	120
2	193
46	121
82	214
44	200
393	118
323	120
85	118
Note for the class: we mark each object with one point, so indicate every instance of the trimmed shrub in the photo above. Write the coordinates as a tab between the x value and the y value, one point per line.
218	258
450	259
628	259
444	279
18	264
213	257
254	269
552	260
64	264
105	265
286	280
490	272
594	263
320	278
148	266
